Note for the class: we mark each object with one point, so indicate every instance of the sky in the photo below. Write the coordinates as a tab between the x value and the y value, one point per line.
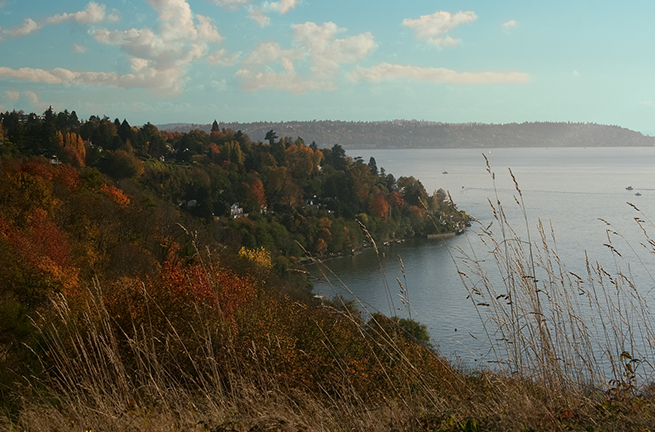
460	61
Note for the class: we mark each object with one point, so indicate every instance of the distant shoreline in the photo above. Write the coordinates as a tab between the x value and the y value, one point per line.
441	236
414	134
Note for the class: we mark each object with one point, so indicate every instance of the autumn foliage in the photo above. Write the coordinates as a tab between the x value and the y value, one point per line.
115	194
123	236
380	206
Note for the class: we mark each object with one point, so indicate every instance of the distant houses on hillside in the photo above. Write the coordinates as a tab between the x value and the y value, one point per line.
236	211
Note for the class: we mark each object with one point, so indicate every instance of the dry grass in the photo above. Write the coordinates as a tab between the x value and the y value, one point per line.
572	351
571	331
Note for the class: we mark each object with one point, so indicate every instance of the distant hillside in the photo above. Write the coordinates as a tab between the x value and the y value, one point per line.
424	134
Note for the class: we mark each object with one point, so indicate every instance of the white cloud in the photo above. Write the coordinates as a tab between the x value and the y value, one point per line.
144	78
386	71
207	31
138	64
257	15
162	56
29	26
231	4
316	43
509	24
94	13
221	57
432	28
218	85
271	52
12	95
281	7
79	49
288	81
32	97
34	100
287	5
328	52
29	74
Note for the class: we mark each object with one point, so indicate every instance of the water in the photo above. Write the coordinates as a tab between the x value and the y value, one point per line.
570	188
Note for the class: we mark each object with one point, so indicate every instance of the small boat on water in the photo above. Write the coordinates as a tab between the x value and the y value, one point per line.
444	172
638	194
628	188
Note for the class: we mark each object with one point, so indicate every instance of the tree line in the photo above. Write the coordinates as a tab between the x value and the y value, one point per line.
279	193
427	134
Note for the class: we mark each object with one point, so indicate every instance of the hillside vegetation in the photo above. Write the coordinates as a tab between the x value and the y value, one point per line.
132	299
425	134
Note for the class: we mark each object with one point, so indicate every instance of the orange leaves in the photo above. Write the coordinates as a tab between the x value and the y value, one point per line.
302	160
38	168
211	287
188	282
418	211
234	292
380	206
213	148
321	246
257	190
217	136
396	199
47	239
44	248
115	194
63	173
67	176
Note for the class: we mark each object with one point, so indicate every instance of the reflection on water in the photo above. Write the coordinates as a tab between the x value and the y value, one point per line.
436	298
568	189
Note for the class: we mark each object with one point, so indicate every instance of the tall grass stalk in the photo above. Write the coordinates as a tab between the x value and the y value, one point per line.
547	323
102	376
557	336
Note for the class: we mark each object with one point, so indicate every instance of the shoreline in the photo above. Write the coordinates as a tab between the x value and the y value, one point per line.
441	236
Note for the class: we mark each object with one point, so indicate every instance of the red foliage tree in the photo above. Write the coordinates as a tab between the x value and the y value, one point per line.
380	206
396	199
257	190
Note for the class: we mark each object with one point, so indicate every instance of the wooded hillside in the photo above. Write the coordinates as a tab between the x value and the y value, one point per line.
425	134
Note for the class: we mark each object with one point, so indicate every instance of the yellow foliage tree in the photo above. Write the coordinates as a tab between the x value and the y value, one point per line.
73	146
302	160
259	256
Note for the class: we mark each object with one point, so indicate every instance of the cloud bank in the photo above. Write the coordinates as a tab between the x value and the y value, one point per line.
163	56
29	26
93	14
158	60
432	28
317	43
257	15
387	71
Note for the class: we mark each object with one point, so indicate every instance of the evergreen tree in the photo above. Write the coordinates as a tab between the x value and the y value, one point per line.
372	164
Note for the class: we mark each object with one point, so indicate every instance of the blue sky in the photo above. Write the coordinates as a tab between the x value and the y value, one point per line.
249	60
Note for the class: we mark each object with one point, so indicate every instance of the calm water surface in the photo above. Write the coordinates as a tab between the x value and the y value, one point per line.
570	188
